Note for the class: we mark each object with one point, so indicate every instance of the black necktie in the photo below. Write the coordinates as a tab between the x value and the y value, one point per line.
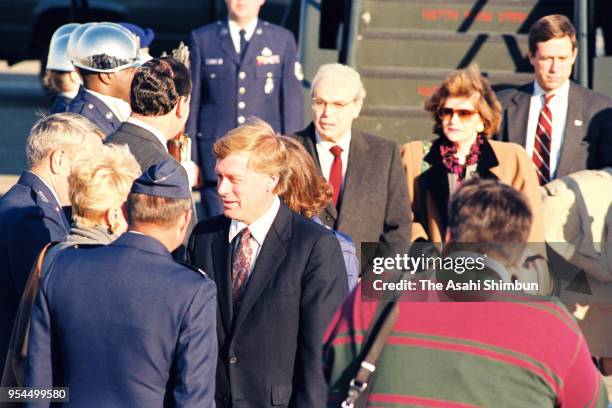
243	43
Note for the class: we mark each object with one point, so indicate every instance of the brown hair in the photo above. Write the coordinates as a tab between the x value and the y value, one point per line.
307	191
155	209
465	83
492	215
267	154
157	86
551	27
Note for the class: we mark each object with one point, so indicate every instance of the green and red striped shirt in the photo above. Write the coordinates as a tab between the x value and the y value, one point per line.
450	354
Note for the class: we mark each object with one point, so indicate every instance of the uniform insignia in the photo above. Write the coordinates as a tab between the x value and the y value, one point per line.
213	61
90	106
266	52
224	31
577	122
299	73
269	86
271	60
259	31
109	115
42	196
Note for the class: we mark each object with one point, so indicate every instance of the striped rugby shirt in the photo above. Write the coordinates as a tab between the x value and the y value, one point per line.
448	354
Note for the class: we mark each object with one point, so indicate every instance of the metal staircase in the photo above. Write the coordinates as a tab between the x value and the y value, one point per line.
404	48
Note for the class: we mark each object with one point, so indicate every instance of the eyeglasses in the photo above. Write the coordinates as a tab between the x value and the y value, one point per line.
465	115
320	105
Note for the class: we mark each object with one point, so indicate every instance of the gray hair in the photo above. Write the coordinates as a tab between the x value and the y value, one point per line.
341	73
68	131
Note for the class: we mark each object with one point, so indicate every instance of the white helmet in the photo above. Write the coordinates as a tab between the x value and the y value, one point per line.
106	47
58	57
74	39
62	30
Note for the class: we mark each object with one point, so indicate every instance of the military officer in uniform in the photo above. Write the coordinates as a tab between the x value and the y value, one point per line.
124	324
241	67
105	56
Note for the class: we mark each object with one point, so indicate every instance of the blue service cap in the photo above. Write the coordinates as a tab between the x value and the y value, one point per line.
146	35
164	179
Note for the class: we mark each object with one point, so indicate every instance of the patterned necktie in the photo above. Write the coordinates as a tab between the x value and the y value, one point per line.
241	266
243	44
541	146
335	173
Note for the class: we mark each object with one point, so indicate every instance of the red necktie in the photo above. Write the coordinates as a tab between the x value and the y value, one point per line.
541	147
335	173
241	266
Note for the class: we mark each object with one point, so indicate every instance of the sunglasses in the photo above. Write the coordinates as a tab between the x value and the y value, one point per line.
465	115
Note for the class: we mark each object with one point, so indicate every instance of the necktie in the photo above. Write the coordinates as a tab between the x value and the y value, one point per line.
335	173
241	266
541	147
243	44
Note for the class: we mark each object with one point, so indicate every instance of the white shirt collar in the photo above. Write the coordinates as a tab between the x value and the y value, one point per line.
120	108
562	91
48	186
158	135
344	142
234	30
260	227
70	94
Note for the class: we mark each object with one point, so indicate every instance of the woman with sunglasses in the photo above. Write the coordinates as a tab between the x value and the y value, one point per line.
466	114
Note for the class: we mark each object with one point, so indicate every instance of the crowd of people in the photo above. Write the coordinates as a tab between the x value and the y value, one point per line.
112	287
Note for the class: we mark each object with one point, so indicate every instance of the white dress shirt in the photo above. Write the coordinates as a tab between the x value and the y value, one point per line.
258	228
234	30
158	135
326	158
120	108
558	110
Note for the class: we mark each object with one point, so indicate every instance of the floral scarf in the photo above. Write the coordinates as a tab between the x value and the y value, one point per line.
448	151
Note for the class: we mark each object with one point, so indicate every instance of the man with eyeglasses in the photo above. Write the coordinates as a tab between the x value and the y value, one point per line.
370	195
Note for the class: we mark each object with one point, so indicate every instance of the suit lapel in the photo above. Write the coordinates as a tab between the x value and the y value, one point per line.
572	136
142	133
308	140
355	175
226	44
221	256
270	257
518	113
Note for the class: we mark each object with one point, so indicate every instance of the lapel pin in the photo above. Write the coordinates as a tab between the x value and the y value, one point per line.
266	52
109	115
577	122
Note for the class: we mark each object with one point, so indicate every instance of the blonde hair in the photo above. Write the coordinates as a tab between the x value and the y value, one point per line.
69	131
101	183
465	83
307	191
267	154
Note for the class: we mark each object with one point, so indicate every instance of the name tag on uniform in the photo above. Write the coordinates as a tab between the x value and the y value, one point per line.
263	60
213	61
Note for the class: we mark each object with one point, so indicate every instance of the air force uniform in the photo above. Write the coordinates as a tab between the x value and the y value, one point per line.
30	218
227	89
124	324
93	108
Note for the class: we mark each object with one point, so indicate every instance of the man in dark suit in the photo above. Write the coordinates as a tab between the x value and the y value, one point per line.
241	67
370	201
563	126
31	213
124	324
159	98
106	56
279	275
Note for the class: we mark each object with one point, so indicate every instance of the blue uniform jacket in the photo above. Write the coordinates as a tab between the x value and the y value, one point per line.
267	84
95	110
60	104
30	217
124	325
